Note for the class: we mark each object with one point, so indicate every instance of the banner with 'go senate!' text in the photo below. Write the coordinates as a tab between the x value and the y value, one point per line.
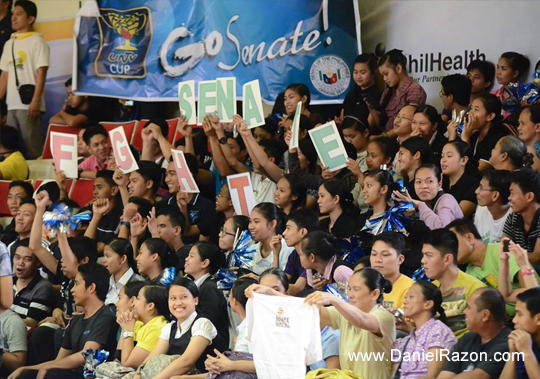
142	49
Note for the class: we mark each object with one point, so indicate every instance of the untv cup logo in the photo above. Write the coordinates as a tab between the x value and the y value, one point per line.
330	75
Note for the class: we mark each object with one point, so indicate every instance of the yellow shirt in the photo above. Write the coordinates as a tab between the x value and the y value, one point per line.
147	335
356	341
400	288
455	301
14	167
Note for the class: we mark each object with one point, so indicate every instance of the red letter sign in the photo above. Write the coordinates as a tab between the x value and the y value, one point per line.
64	152
242	195
185	178
122	153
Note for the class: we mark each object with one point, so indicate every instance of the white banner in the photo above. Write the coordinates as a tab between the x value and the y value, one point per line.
443	37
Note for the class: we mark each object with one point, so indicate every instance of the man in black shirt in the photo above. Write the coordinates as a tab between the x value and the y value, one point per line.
95	329
478	354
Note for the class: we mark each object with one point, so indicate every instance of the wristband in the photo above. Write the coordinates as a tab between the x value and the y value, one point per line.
528	271
125	223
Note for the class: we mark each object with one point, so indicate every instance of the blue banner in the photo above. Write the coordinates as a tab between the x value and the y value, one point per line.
142	49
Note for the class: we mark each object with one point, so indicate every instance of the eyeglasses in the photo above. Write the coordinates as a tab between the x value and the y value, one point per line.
221	195
486	189
441	94
398	117
222	231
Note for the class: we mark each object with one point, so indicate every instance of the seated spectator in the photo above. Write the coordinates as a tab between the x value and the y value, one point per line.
142	325
511	68
95	138
488	335
82	148
190	335
14	338
482	259
386	257
143	182
427	124
401	89
13	165
365	326
224	204
18	190
106	210
529	132
440	254
135	211
266	226
118	260
203	261
6	287
199	212
356	132
413	153
318	257
169	225
94	329
525	338
23	223
484	128
290	193
523	226
267	131
380	152
78	111
430	335
336	202
299	224
33	295
436	208
300	92
403	123
482	75
455	94
364	98
510	153
493	205
459	177
153	258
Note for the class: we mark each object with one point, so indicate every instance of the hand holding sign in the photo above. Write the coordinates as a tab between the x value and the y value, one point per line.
241	191
185	178
329	146
122	152
64	152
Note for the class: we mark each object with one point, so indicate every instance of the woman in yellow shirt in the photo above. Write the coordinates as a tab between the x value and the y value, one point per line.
368	330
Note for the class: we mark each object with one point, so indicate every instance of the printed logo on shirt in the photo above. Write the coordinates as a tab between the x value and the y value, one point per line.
281	322
86	332
330	75
125	38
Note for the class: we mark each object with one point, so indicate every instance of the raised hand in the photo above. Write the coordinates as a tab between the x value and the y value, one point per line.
42	200
101	206
152	223
183	127
120	178
138	225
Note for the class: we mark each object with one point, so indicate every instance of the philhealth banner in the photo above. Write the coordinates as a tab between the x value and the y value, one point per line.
142	49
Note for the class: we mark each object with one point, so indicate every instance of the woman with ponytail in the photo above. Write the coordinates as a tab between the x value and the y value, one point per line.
365	326
510	153
203	261
430	335
336	202
154	257
318	257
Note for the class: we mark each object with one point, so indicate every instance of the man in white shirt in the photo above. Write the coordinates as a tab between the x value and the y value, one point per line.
493	207
25	61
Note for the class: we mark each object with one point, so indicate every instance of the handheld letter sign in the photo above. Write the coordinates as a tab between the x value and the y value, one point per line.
329	146
185	178
207	99
296	126
122	153
241	191
64	152
226	98
252	105
186	101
